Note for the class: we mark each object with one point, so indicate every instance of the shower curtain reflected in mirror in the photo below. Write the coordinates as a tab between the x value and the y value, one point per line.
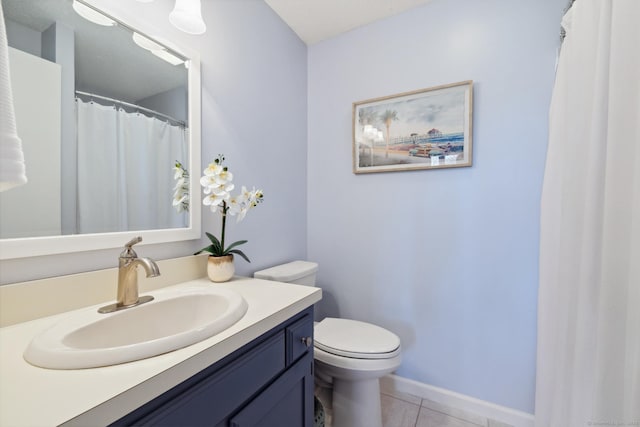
125	170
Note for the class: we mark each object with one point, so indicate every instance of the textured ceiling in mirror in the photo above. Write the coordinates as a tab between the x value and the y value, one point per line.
120	58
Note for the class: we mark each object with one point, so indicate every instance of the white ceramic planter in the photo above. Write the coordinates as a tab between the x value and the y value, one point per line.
220	268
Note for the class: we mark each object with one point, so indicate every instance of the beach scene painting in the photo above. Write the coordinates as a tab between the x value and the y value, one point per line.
423	129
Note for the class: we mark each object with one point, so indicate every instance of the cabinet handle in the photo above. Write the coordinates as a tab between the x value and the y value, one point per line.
306	341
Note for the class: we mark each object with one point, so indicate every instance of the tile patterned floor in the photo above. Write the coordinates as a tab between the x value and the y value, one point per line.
405	410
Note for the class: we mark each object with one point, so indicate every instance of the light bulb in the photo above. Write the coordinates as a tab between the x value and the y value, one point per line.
187	16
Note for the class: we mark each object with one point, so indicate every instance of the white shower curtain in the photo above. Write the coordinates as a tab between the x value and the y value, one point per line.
588	368
125	170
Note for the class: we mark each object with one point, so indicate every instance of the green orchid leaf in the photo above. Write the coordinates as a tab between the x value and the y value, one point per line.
234	244
214	239
211	249
215	243
239	252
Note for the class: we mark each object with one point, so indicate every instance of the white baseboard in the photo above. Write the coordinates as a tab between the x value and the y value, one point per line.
457	401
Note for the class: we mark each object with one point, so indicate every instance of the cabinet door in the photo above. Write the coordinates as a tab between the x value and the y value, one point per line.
287	402
213	398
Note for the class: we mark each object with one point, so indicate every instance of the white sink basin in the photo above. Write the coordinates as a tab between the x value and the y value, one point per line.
176	318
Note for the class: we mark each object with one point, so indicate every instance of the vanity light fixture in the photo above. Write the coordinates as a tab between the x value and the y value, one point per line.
187	16
145	42
156	49
165	55
90	14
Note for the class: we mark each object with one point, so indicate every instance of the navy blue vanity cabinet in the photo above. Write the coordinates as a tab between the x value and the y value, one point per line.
268	383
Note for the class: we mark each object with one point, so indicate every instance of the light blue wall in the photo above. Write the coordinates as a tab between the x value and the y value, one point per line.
448	259
254	104
254	97
172	103
23	38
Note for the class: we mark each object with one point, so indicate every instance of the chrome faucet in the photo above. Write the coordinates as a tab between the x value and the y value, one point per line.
128	278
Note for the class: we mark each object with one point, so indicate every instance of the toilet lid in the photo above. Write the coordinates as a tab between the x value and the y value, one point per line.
351	338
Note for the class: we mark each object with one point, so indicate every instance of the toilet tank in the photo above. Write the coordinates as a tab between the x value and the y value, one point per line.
298	272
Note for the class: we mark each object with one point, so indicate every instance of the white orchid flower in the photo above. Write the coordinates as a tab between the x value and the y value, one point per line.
207	181
223	177
181	202
242	214
235	206
181	183
179	198
181	189
213	169
256	197
215	199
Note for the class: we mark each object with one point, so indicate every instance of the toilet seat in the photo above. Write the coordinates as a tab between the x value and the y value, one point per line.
356	340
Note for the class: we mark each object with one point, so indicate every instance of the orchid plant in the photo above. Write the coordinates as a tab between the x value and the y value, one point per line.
217	187
181	190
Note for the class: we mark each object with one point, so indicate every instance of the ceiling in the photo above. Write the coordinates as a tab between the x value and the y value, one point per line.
312	21
317	20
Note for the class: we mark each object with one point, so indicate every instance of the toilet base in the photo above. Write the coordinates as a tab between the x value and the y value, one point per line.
356	403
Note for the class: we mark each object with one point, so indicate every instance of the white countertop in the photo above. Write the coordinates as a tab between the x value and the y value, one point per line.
32	396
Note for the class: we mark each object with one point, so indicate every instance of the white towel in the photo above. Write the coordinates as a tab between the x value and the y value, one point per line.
12	170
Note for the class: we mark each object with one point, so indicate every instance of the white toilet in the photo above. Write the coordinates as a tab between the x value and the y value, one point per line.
350	356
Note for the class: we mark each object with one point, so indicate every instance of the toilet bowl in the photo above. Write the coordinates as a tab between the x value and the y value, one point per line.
350	356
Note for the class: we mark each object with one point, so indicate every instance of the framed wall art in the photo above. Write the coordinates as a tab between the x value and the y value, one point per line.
423	129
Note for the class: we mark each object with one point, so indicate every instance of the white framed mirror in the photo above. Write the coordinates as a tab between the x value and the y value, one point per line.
104	113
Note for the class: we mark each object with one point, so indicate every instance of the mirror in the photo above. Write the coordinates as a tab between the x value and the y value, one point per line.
104	111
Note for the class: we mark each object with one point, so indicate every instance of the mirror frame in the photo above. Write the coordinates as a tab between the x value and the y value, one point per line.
51	245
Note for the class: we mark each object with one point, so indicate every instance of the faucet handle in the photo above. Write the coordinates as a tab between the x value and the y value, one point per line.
128	251
133	241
